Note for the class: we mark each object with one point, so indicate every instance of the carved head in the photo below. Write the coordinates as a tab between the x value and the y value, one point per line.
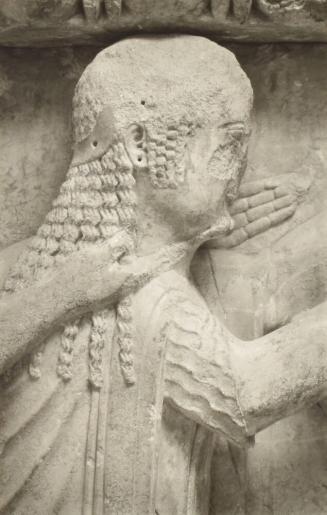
166	117
180	106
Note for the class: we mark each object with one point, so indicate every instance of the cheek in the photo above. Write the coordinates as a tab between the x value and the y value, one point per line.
227	164
221	165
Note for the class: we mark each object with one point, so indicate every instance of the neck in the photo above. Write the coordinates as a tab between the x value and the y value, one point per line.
153	237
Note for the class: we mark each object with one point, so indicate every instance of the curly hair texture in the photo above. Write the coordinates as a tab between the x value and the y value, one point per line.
166	153
143	80
95	202
150	84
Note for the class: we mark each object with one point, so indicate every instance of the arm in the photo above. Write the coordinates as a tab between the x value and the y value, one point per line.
297	264
88	281
283	371
292	275
199	378
28	316
238	387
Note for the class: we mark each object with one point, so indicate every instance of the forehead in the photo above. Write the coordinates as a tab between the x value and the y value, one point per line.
219	90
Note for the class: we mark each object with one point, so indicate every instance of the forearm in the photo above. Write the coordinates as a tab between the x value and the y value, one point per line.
282	371
299	264
84	283
30	315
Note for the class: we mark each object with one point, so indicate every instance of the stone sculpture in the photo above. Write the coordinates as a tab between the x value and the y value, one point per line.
58	22
119	412
293	10
28	11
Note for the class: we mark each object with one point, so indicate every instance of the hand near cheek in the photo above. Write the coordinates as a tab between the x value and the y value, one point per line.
260	206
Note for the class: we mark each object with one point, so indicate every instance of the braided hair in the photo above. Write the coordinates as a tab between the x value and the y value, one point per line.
95	201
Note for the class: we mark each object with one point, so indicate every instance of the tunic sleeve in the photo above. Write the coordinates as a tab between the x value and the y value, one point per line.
199	378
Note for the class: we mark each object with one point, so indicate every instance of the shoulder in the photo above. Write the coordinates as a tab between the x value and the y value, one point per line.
172	290
8	257
171	297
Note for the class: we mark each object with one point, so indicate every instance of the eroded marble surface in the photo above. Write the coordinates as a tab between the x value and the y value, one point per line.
284	472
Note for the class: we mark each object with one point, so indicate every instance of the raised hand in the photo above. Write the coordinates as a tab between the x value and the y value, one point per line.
260	206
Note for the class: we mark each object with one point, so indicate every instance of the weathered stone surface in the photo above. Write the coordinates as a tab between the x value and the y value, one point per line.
253	288
58	22
27	11
35	98
160	9
285	471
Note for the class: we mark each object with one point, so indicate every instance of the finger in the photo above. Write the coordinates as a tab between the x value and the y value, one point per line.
251	188
272	182
243	204
265	209
110	250
242	219
239	206
259	212
257	227
261	198
248	189
263	224
118	252
281	215
285	201
246	230
282	190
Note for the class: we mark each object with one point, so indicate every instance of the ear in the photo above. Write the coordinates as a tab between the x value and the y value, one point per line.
135	145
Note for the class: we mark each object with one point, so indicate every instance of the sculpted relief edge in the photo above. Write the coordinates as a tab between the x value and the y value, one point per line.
80	22
112	410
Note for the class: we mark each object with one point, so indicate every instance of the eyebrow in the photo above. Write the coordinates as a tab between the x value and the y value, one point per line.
232	125
236	125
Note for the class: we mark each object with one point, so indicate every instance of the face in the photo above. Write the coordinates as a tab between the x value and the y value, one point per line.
215	161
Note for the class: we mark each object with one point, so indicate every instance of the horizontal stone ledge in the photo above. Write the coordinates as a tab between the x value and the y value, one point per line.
85	22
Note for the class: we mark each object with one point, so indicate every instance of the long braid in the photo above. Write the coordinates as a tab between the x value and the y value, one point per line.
124	335
96	345
125	210
65	357
95	201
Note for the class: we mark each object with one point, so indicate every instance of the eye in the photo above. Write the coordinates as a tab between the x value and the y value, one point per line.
237	134
235	130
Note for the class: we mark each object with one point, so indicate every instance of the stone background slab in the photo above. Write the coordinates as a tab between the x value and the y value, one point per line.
287	469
